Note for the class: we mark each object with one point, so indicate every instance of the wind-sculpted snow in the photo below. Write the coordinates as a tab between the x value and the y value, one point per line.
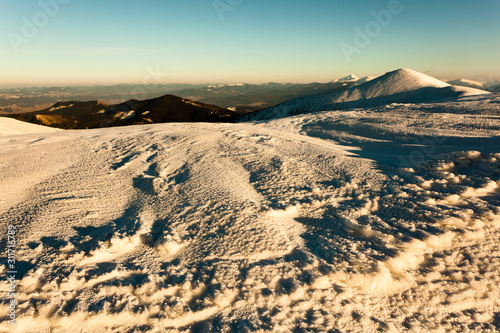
317	222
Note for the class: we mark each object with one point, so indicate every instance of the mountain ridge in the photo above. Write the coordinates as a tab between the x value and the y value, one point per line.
96	114
400	86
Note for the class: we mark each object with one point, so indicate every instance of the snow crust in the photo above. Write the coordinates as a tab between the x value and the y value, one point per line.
362	220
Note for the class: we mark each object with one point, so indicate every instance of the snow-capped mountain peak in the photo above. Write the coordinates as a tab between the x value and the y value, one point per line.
400	86
349	78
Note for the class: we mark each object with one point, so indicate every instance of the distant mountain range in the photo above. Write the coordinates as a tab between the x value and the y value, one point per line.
492	86
95	114
400	86
237	97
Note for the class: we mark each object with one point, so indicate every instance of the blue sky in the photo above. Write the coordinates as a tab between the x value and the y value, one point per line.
108	42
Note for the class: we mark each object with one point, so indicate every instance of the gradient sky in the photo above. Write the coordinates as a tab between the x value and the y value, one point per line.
108	41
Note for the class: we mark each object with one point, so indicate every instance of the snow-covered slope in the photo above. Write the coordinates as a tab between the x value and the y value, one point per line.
337	221
467	83
400	86
13	126
493	85
468	91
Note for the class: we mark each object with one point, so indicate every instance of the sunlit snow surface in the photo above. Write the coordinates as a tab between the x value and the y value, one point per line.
364	220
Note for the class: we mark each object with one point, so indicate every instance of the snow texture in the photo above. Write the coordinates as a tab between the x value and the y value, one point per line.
363	220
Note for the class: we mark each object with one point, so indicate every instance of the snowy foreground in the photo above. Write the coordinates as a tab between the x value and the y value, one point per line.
365	220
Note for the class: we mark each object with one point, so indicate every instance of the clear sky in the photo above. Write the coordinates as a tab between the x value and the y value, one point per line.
122	41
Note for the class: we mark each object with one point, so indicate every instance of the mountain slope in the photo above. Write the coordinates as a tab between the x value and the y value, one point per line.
10	126
467	83
95	114
493	86
400	86
251	97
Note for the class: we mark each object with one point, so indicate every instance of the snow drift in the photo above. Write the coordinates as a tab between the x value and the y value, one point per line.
363	220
